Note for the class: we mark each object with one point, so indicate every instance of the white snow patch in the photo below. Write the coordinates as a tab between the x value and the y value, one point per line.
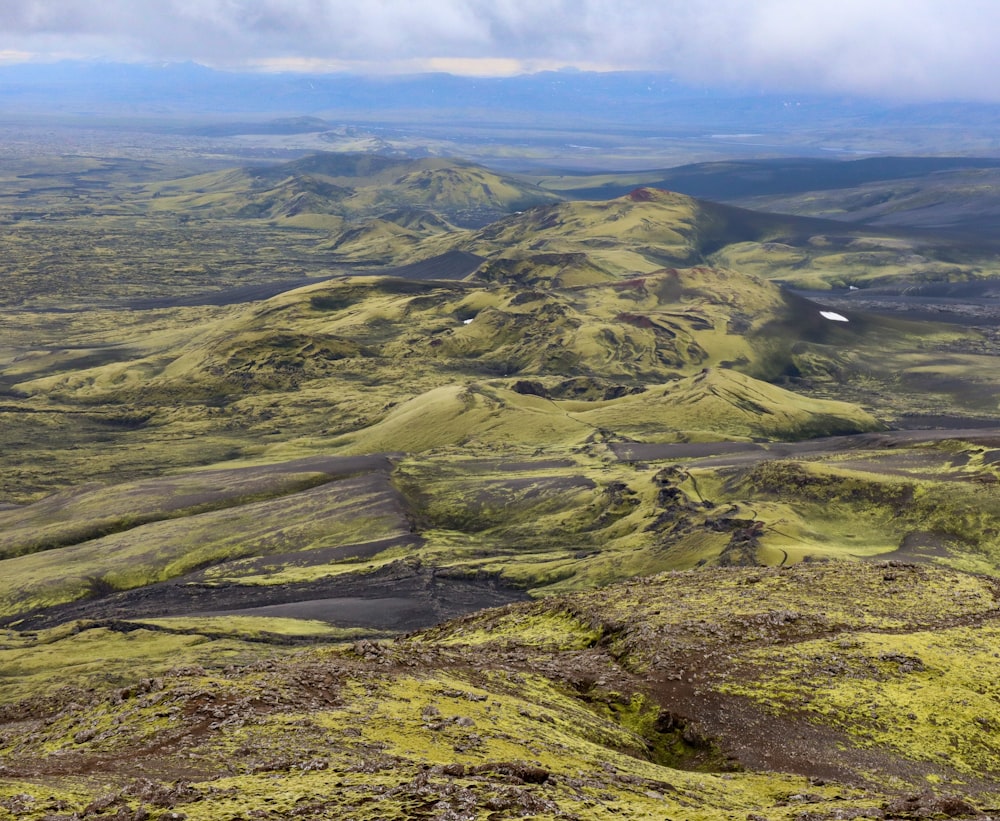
833	316
466	321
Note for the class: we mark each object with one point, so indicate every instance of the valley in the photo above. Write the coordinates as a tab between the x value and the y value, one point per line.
414	488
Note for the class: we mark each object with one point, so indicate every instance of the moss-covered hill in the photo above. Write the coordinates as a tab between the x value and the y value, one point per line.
359	365
81	235
822	691
348	186
650	228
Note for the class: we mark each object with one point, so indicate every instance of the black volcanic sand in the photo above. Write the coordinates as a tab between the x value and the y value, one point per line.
402	596
407	595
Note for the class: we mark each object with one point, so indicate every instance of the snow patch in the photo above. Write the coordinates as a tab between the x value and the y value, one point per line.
833	316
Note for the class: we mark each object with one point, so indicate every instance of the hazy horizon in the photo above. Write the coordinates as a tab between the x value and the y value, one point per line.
920	50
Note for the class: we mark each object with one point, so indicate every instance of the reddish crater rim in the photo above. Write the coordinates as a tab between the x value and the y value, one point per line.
643	194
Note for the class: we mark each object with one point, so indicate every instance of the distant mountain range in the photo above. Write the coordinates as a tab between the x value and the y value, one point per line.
630	100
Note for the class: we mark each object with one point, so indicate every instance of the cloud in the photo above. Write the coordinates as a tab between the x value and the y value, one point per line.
897	48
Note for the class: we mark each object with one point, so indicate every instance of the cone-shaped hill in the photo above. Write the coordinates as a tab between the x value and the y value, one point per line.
639	232
651	228
572	291
375	210
578	320
349	186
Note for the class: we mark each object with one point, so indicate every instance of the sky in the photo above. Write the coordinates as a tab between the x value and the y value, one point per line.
898	49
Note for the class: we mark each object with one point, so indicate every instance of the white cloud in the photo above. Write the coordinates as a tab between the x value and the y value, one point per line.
919	48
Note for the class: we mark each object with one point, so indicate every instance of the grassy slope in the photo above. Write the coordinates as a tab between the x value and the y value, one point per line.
580	705
913	192
895	208
332	515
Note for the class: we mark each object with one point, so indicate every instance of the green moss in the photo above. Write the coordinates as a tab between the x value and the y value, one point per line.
387	726
669	741
553	631
929	696
39	663
518	425
254	627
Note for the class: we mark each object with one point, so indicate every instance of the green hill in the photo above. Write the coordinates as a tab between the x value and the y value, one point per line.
800	246
349	186
349	337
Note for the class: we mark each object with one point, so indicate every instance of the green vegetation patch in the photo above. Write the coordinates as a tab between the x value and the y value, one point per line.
713	607
527	709
930	501
82	655
556	630
930	696
92	511
256	627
